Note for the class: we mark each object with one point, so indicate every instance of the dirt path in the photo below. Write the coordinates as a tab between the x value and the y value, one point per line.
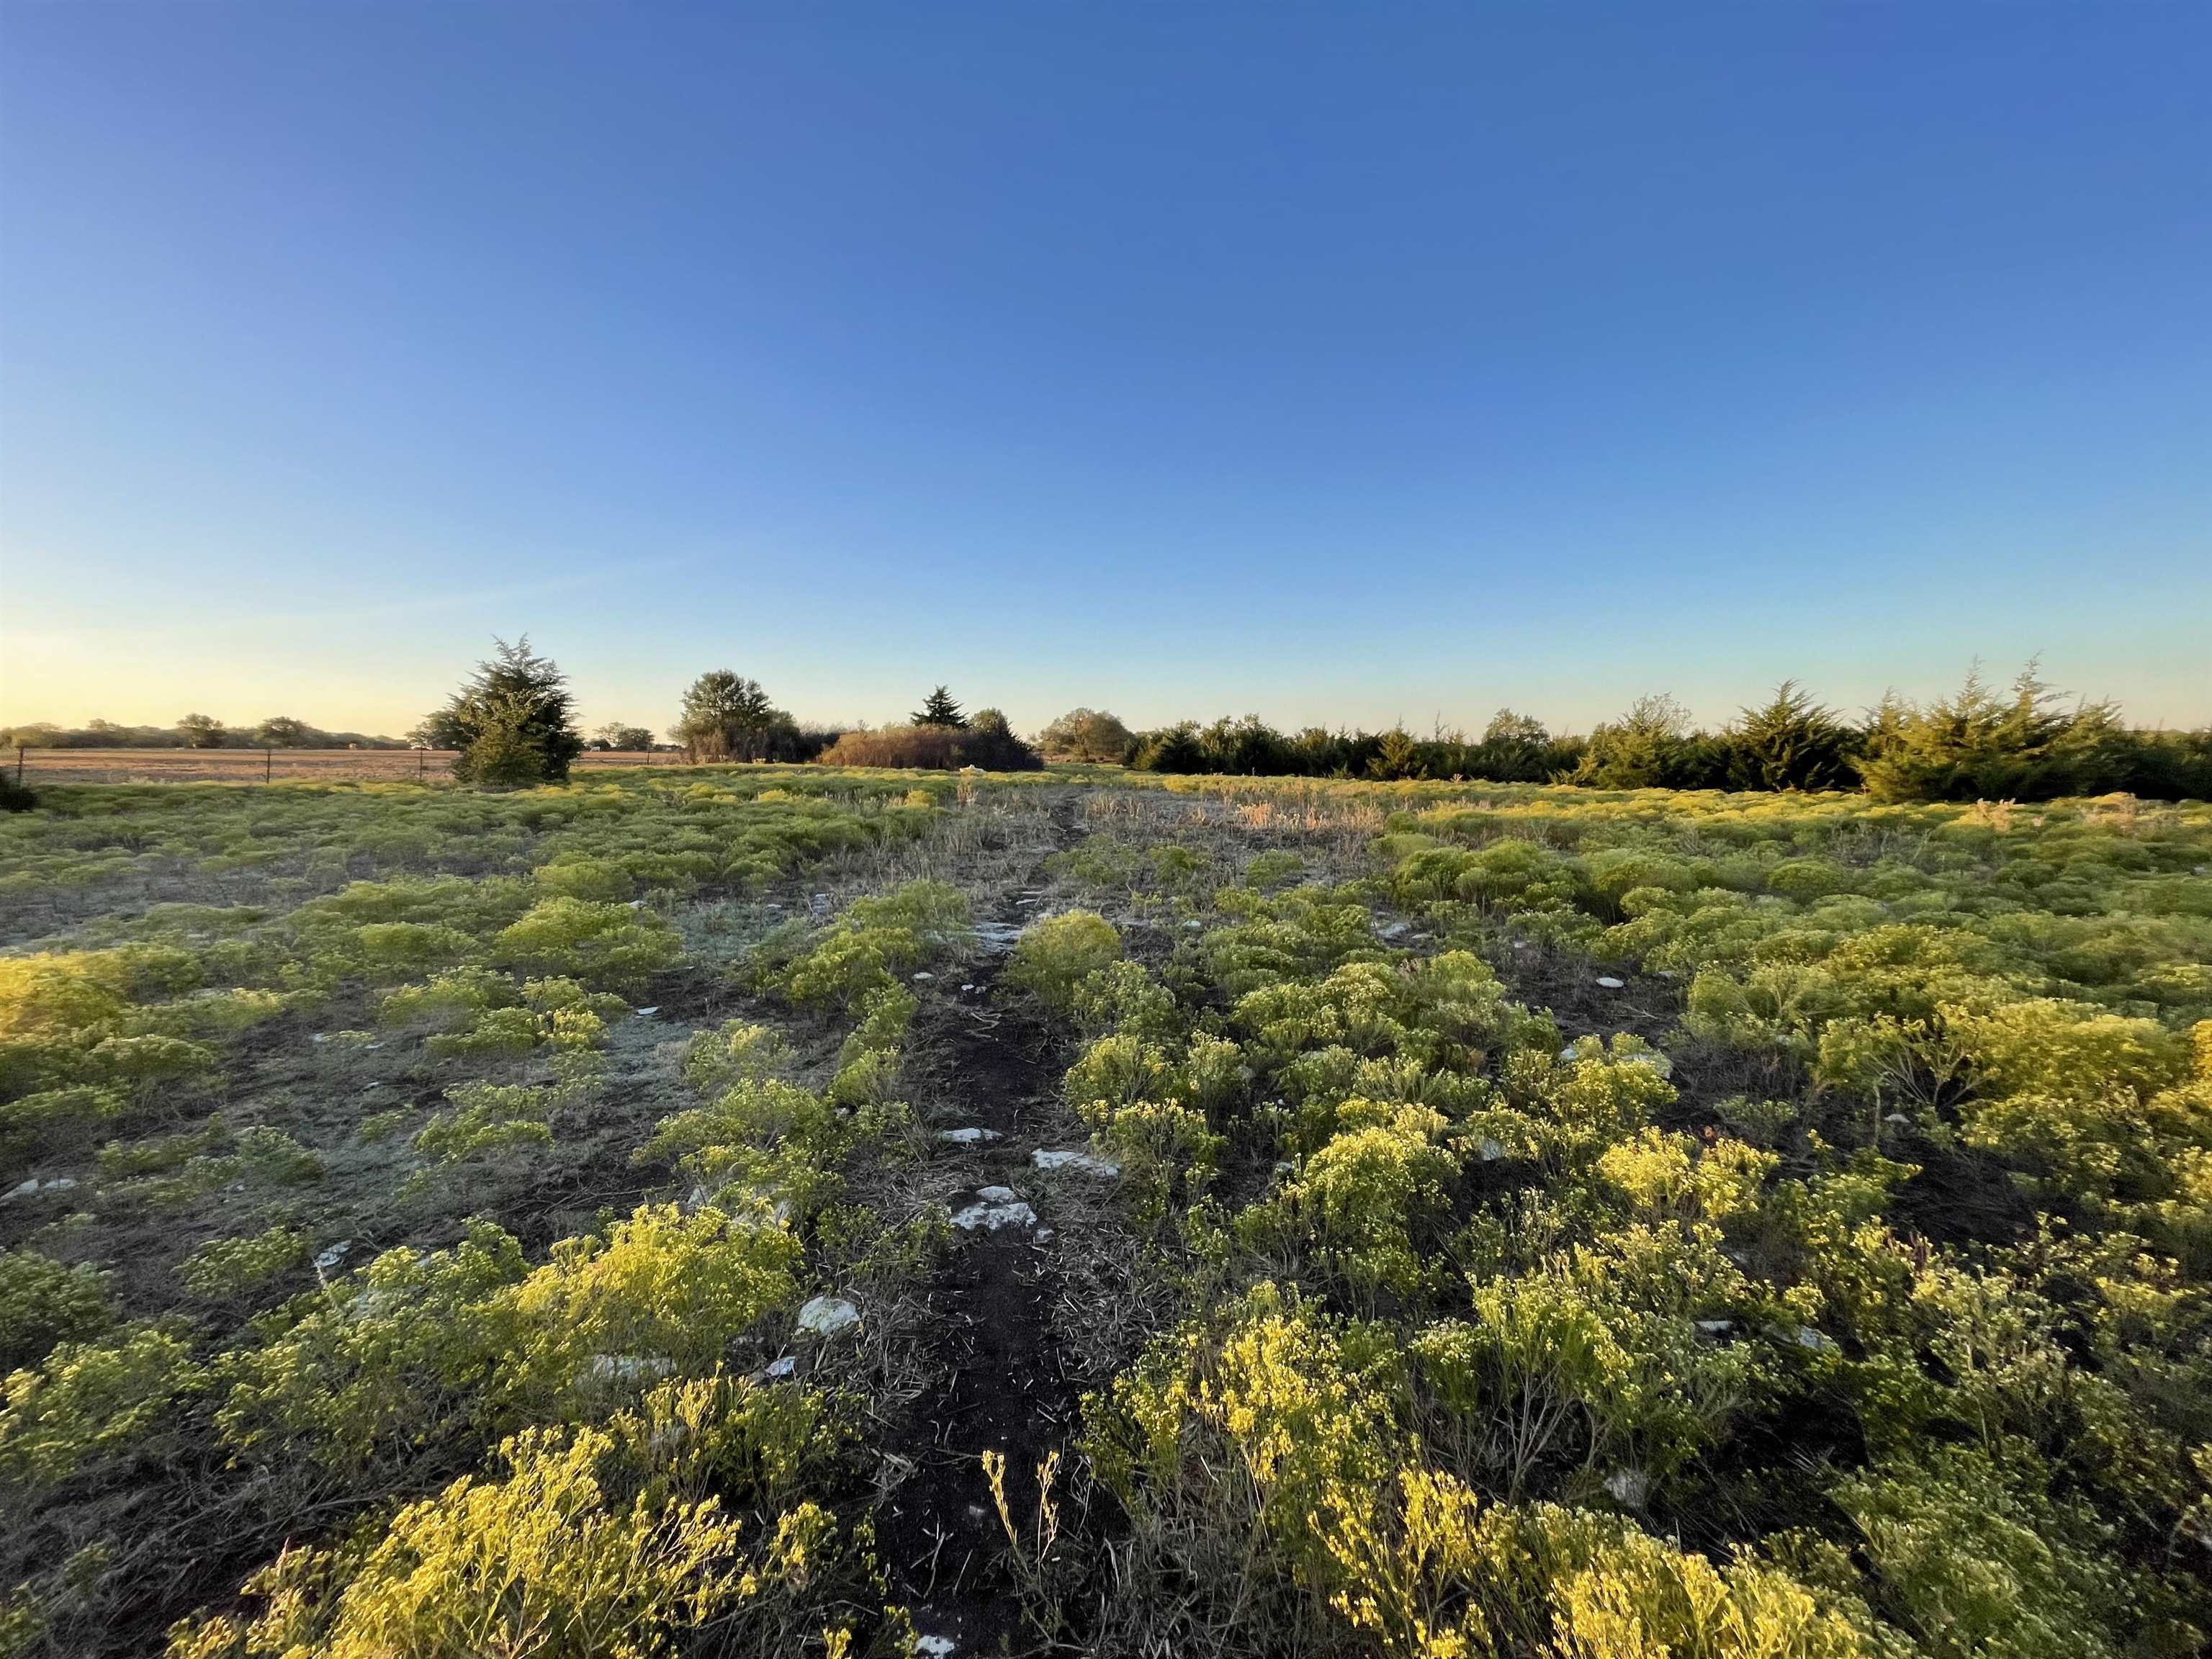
996	1067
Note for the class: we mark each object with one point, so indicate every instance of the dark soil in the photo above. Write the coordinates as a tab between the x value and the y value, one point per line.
1005	1385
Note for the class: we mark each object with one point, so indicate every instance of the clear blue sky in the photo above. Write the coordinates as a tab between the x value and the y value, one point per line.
1336	362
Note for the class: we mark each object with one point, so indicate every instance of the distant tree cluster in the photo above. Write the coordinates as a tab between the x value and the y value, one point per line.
617	736
2026	744
513	723
1513	749
1087	734
727	717
192	732
938	735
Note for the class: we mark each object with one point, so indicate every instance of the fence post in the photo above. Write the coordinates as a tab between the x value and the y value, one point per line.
422	761
19	766
268	763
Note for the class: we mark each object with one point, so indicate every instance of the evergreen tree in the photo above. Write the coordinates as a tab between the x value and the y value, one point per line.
1644	749
1981	745
940	709
1177	748
514	720
1793	743
1397	756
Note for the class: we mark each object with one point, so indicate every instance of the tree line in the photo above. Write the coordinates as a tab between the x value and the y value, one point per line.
191	732
513	722
1981	743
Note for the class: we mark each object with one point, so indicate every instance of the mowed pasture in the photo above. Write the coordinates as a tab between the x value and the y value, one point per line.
771	1210
45	766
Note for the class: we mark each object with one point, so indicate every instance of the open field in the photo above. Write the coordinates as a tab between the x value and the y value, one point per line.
775	1210
45	766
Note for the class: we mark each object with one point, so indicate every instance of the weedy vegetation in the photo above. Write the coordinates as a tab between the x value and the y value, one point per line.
763	1209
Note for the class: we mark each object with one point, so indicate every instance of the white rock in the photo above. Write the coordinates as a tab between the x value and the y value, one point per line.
1898	1117
998	1194
327	1259
1193	925
319	1036
646	1013
968	1137
34	1186
1567	1053
1043	1234
1629	1487
1071	1157
966	988
1818	1342
827	1315
1607	981
1492	1150
1393	930
627	1367
780	1368
933	1647
988	1216
919	978
1715	1326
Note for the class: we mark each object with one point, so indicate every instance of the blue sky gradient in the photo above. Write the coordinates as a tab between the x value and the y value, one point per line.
1340	363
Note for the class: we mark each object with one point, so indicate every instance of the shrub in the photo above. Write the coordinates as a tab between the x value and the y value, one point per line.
1364	1195
1973	1567
96	1402
1056	955
543	1560
874	943
1299	1406
610	945
43	1302
662	1288
931	747
226	1268
390	1361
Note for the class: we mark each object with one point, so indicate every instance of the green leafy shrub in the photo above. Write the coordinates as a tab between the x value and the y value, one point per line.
663	1288
227	1269
44	1302
609	944
92	1405
1056	955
